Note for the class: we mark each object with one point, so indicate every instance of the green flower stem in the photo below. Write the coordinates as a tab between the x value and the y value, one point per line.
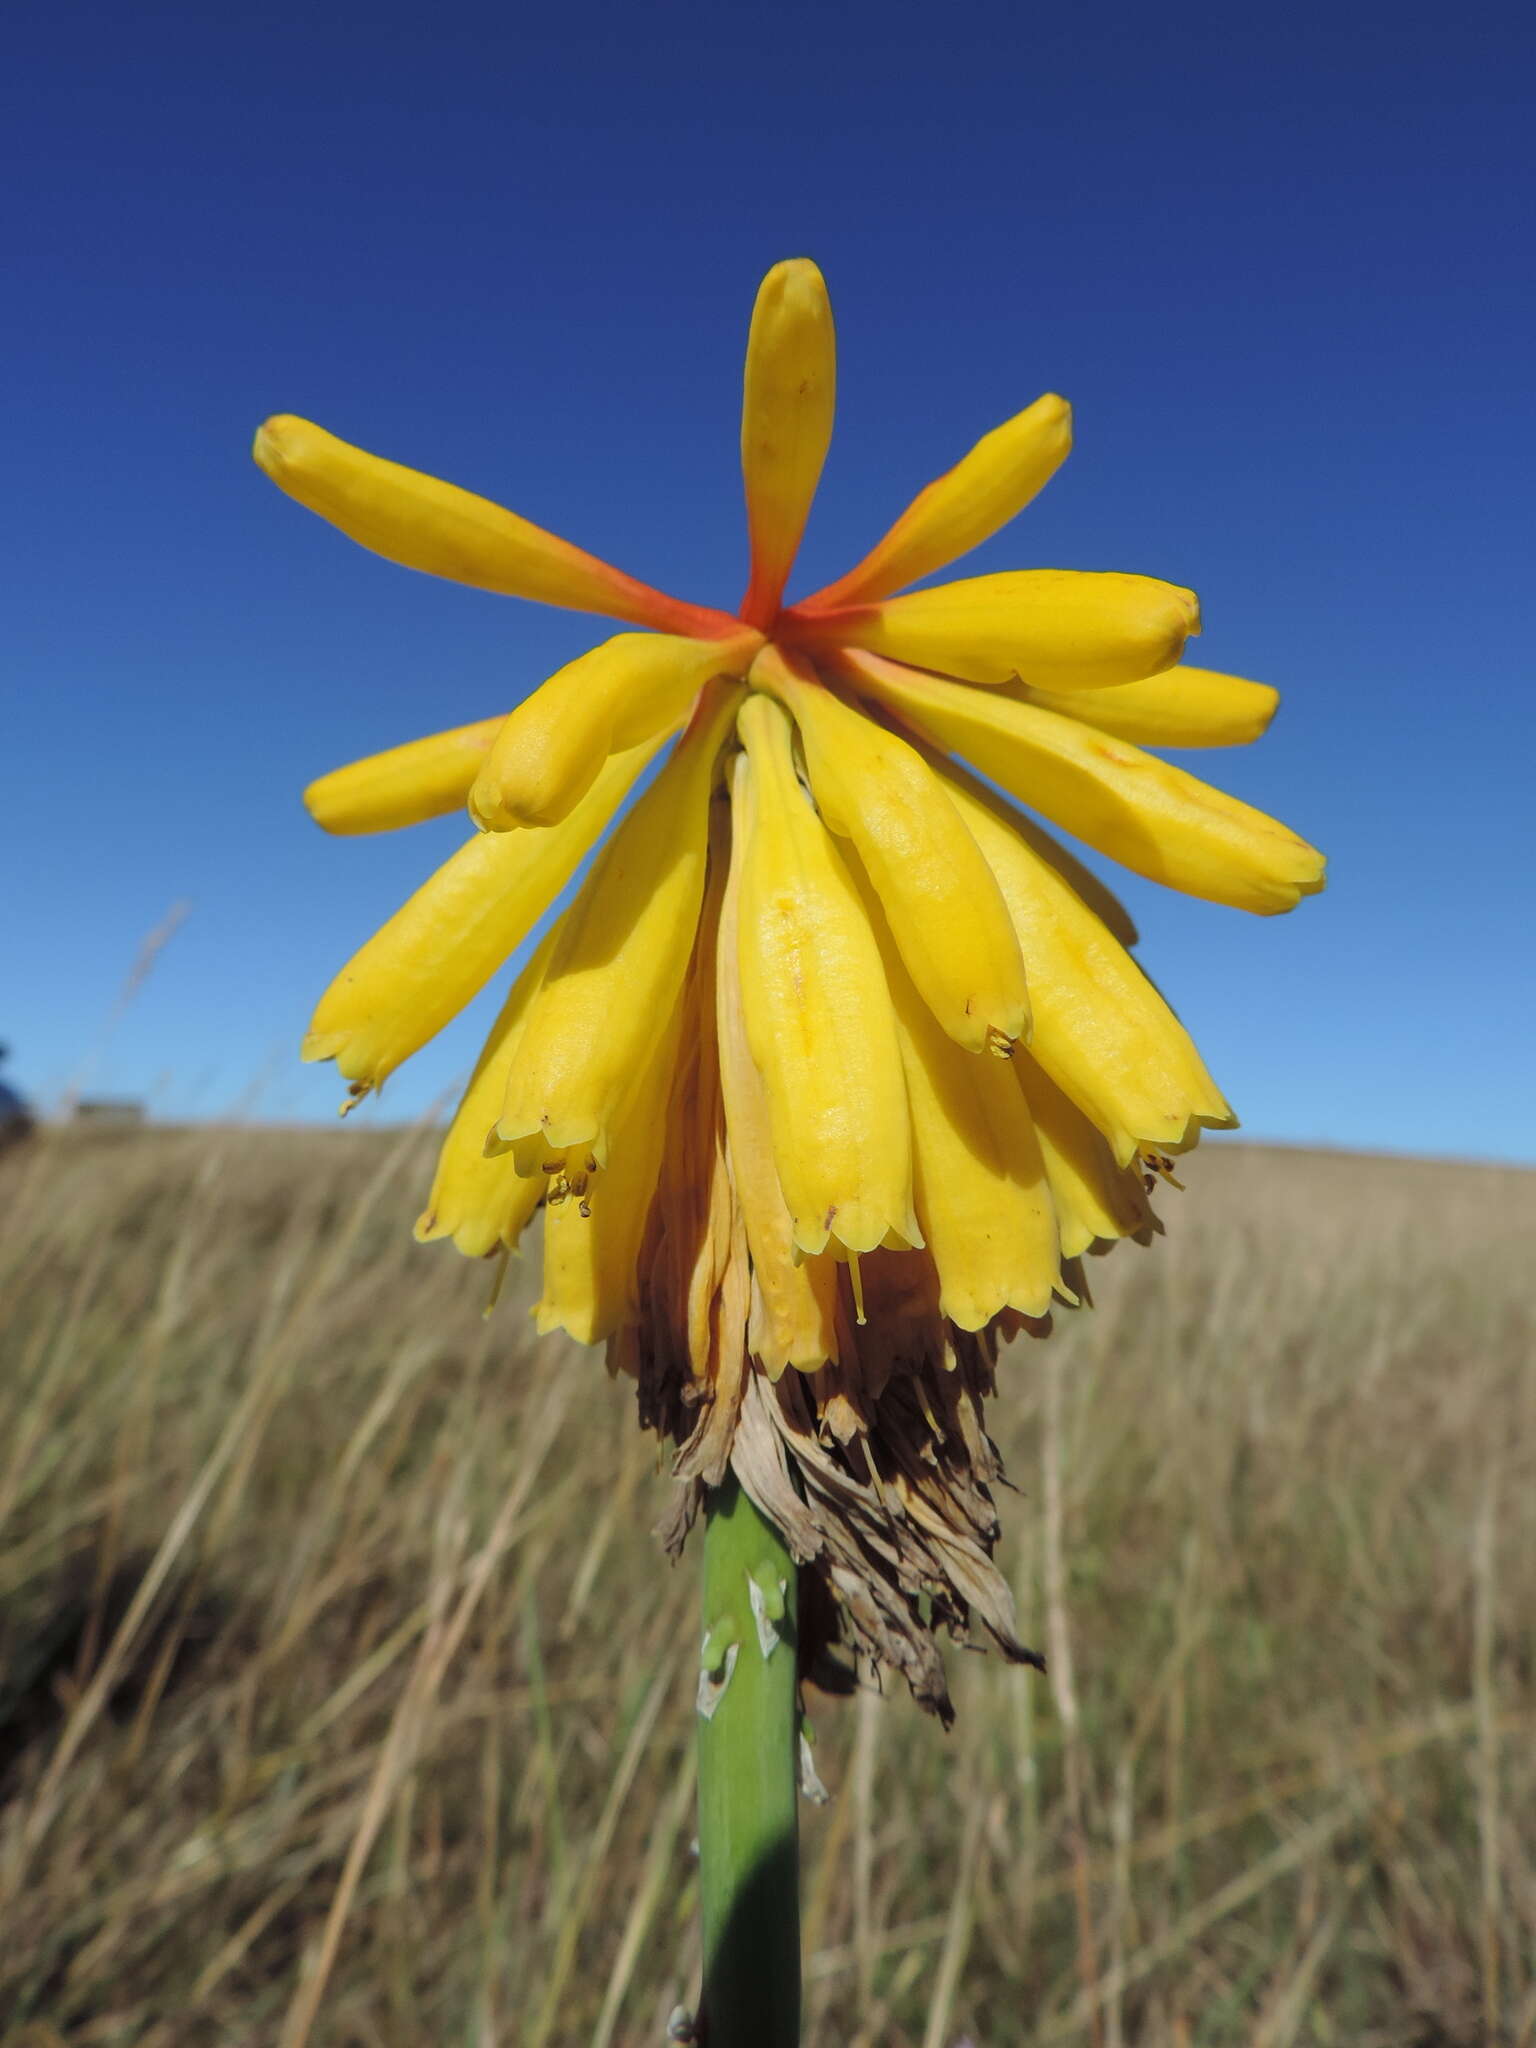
748	1819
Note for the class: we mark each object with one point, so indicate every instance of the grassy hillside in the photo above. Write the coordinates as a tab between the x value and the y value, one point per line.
345	1698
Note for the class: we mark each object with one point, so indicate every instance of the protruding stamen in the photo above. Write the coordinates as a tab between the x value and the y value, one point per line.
503	1258
1158	1166
856	1282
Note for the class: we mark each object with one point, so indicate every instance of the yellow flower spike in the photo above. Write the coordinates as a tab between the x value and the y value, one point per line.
978	1179
962	508
405	786
632	688
1150	816
746	1077
479	1201
1102	1031
1183	707
438	528
1096	1201
1057	629
795	1305
947	914
817	1011
786	422
443	945
624	950
592	1240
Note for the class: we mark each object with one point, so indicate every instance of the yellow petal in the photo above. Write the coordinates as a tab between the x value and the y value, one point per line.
1102	1031
1080	878
946	912
1057	629
962	508
978	1179
1152	817
818	1014
624	950
423	779
1183	707
592	1241
642	1220
794	1319
444	531
695	1281
635	687
1095	1200
786	422
443	945
479	1201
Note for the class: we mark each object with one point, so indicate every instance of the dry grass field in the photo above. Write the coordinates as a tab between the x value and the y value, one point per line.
345	1698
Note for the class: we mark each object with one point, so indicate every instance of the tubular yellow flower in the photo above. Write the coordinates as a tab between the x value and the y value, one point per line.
443	945
623	952
636	687
786	423
794	1298
746	1074
1145	813
818	1015
1057	629
950	922
1182	707
478	1198
979	1182
962	508
1095	1200
405	786
423	524
592	1241
1103	902
1102	1031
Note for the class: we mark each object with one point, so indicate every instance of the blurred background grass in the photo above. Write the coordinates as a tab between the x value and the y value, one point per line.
344	1696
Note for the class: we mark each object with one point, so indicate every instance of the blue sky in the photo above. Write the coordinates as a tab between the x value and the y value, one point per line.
1280	263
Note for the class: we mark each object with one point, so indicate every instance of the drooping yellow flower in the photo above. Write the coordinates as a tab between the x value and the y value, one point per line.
837	1063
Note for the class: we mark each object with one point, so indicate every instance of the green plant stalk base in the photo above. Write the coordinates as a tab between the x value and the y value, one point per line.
748	1783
